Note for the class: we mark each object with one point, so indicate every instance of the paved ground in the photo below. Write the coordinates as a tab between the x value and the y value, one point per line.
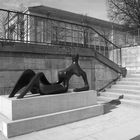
119	122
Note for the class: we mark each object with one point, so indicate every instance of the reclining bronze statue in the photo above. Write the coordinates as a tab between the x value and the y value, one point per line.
35	83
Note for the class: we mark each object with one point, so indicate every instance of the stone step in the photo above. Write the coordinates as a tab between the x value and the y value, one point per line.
103	99
135	75
129	87
128	83
126	101
124	91
2	118
0	125
117	95
23	126
132	97
111	94
131	79
134	87
138	72
130	102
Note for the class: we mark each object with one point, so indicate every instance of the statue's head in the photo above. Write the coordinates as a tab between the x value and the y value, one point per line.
75	58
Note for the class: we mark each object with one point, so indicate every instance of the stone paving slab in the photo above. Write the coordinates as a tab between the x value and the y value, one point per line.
119	122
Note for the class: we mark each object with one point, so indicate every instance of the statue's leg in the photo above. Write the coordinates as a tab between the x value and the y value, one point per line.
24	79
43	80
84	76
86	87
34	82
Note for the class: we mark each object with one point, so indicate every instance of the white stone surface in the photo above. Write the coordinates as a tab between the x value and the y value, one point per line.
5	106
118	123
23	126
15	109
34	113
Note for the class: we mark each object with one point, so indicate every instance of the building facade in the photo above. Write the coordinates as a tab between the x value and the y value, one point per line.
50	25
45	25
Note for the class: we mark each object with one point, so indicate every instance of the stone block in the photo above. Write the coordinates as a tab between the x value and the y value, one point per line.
85	63
8	78
42	112
11	63
30	106
58	64
15	128
99	74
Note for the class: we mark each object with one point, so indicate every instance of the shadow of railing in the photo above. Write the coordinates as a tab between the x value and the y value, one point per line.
112	105
108	107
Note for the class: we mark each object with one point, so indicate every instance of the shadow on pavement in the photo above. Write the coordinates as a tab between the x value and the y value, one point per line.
136	138
111	105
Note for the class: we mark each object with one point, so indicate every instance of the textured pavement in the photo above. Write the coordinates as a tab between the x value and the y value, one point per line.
120	122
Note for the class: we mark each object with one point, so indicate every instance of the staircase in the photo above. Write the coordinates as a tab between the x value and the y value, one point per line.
128	88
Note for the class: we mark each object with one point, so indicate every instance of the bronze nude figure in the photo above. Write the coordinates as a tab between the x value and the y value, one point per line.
37	82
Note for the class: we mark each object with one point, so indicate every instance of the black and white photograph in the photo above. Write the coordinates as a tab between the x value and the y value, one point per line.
70	70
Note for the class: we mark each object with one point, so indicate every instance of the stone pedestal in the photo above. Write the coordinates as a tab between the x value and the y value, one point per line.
40	112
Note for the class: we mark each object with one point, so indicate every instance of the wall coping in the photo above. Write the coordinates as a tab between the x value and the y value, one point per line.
17	47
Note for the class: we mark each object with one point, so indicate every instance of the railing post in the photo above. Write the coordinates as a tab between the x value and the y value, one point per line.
65	33
27	29
138	34
120	57
8	25
71	35
51	32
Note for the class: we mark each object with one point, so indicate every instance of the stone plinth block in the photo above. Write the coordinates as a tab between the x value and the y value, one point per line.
23	126
41	112
15	109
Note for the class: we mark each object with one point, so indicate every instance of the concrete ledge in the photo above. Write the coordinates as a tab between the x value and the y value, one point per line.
15	109
33	48
19	127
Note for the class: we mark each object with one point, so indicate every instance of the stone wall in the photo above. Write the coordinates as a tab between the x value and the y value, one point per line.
14	60
103	74
131	58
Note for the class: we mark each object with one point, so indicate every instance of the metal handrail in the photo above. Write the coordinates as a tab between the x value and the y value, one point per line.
109	84
58	20
84	26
